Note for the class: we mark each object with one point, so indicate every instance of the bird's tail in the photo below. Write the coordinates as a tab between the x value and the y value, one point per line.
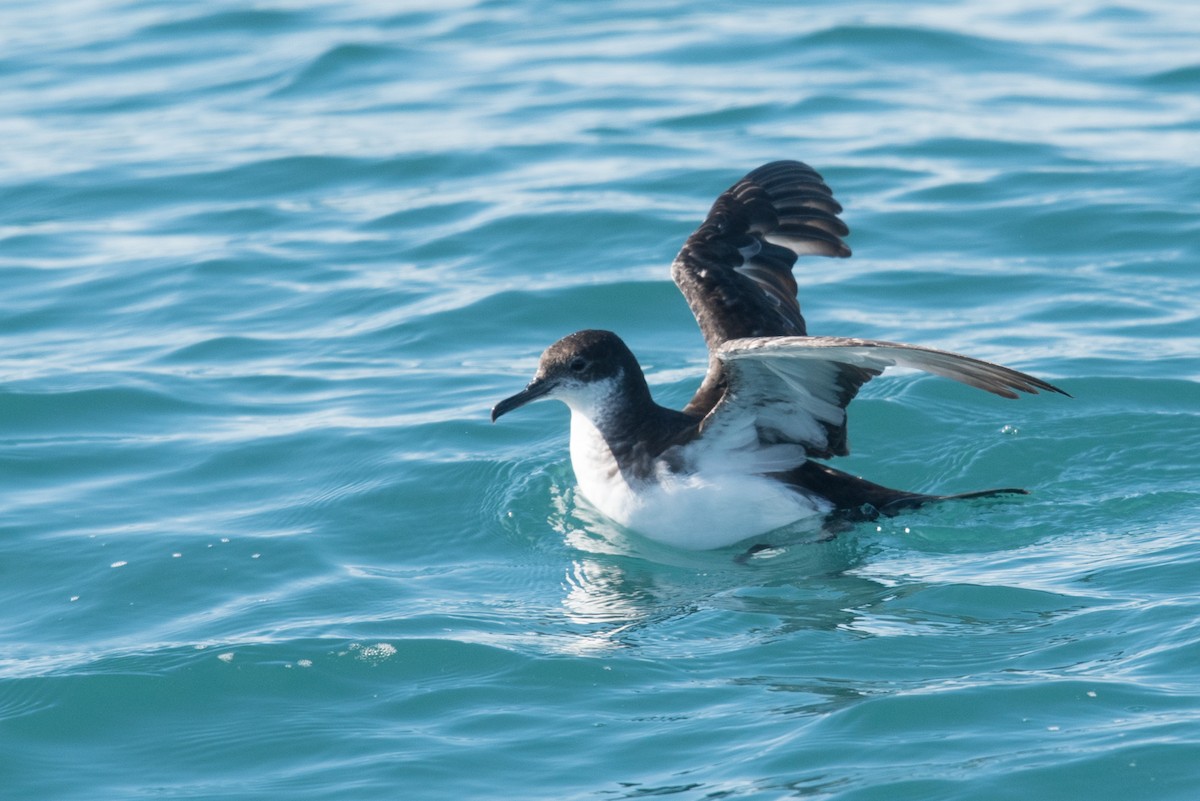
857	500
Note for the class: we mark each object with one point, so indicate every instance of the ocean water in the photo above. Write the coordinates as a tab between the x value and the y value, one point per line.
264	269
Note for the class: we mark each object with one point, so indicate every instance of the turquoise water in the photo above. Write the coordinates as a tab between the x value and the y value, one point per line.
266	269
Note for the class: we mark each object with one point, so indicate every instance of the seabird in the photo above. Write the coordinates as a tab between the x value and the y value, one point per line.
739	460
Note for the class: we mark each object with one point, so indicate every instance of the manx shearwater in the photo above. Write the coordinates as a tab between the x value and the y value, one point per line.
740	459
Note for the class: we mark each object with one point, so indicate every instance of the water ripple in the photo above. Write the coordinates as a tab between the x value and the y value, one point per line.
267	269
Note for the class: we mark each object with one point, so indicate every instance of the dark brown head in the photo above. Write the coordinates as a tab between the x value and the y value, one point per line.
583	370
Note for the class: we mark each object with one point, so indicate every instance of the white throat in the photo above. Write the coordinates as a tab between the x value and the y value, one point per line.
600	479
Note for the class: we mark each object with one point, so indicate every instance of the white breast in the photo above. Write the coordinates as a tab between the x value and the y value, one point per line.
714	506
596	470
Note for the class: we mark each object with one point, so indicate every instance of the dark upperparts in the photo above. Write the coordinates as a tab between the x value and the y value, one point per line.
736	269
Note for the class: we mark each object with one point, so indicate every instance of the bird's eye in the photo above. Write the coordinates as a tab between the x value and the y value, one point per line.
578	364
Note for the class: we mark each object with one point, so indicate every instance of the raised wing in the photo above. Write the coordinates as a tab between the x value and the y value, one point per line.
796	389
736	269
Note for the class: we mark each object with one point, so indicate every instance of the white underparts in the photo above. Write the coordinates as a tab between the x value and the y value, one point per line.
715	504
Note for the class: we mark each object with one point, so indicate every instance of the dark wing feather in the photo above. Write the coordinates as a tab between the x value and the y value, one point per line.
796	389
736	270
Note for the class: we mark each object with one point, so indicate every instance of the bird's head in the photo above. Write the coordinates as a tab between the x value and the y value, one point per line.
582	370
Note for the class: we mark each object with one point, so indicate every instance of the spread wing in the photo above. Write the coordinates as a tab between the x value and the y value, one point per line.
795	389
736	269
